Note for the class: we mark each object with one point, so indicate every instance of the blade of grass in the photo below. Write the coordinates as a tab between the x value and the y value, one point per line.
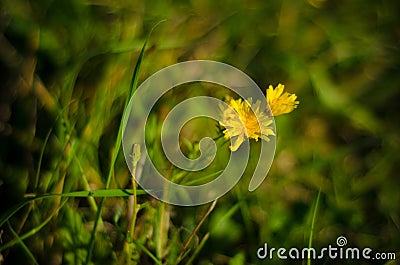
24	247
314	216
31	232
162	228
226	216
135	160
198	249
85	182
131	227
196	229
117	145
41	158
145	250
245	211
200	179
161	224
94	193
173	247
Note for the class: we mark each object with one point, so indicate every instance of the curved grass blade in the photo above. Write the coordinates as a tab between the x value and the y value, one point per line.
203	178
23	246
41	158
117	144
31	232
198	249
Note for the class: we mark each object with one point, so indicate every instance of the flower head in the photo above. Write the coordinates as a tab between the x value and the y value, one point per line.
240	122
279	102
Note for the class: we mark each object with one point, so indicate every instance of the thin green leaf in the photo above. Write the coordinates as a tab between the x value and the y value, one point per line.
198	249
145	250
41	158
94	193
200	179
314	216
31	232
226	216
135	76
24	247
117	145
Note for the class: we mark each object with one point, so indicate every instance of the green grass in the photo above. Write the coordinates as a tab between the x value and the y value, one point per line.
69	69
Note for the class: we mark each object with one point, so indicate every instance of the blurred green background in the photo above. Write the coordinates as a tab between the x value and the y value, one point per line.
66	67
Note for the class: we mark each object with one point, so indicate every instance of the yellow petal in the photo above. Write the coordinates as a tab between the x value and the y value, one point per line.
279	102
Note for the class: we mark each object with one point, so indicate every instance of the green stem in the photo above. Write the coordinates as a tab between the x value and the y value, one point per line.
131	235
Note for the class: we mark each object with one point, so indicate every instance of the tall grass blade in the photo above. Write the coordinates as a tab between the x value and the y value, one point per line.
117	144
314	217
24	247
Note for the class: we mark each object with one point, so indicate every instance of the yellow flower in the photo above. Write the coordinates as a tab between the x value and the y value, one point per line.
241	122
281	103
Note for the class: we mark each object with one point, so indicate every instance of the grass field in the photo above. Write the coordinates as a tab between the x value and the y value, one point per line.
67	68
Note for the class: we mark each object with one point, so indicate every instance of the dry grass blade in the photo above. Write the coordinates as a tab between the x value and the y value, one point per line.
195	230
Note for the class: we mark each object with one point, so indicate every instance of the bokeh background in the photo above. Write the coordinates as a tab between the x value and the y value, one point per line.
66	68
